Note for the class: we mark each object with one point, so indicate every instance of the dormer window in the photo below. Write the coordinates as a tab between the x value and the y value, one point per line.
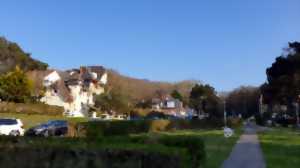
55	91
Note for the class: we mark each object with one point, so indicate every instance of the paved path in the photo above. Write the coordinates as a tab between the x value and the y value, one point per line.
247	152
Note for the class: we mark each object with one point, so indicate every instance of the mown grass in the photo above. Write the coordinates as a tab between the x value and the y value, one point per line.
30	120
281	147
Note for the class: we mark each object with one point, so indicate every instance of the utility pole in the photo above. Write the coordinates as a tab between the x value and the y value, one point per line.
260	105
297	110
225	114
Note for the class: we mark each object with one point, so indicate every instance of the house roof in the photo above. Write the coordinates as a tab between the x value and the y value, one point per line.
87	70
38	77
63	91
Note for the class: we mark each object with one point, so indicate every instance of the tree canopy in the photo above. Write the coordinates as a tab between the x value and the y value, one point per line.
176	95
243	100
203	98
283	77
113	100
15	86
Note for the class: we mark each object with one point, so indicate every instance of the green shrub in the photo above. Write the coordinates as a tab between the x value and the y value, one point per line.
159	125
234	122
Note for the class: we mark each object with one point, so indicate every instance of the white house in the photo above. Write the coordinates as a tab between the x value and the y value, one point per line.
74	89
169	105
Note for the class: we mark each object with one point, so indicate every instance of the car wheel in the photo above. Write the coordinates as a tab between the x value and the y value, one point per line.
14	133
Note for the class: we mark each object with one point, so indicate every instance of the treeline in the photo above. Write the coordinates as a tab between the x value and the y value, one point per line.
282	88
243	101
283	79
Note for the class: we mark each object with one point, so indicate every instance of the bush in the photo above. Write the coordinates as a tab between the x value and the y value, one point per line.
159	125
234	122
15	86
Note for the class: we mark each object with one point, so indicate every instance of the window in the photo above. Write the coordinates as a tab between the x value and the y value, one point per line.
8	122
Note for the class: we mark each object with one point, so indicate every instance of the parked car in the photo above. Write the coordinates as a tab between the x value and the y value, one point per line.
51	128
119	117
11	126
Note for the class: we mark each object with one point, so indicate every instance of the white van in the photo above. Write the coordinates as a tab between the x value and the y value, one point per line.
12	127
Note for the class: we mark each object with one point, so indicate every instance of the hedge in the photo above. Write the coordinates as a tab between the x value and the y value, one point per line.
193	144
34	108
98	129
76	153
112	128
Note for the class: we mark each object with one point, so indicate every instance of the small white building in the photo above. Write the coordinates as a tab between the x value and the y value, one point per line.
169	105
74	89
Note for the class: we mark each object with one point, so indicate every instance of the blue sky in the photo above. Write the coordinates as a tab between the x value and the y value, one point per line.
223	43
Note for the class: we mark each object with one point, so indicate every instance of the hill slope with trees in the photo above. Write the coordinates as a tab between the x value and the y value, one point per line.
139	89
12	55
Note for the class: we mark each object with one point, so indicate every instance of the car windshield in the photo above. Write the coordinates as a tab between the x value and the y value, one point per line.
56	123
8	122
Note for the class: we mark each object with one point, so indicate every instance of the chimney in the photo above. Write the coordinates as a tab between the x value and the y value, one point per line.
83	70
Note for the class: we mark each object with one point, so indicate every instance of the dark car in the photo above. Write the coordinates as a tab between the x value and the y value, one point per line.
51	128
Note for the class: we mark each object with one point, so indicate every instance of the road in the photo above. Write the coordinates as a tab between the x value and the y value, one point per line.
247	152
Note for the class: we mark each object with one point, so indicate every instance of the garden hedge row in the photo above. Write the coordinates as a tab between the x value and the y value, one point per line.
78	153
98	129
193	144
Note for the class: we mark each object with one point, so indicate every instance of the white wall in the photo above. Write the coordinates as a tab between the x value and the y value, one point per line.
81	99
103	79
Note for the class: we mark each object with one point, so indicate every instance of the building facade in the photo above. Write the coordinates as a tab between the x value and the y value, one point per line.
73	89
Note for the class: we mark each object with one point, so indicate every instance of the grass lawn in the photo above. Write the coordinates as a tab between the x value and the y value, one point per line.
281	147
33	120
218	148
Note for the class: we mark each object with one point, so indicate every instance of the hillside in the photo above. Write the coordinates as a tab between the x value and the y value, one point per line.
12	55
138	89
